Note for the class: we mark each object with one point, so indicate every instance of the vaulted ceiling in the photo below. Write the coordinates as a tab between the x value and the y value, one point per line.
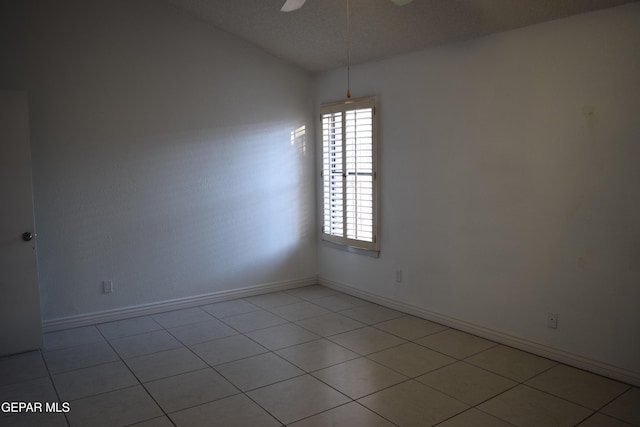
314	37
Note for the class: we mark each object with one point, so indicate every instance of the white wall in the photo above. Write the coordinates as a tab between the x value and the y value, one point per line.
510	183
162	155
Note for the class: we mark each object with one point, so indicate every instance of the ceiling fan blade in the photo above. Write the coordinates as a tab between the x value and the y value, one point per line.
291	5
401	2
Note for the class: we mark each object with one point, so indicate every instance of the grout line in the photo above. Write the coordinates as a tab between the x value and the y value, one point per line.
140	383
380	415
53	384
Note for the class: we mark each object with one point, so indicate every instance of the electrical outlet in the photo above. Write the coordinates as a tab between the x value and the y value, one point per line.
552	320
107	286
398	276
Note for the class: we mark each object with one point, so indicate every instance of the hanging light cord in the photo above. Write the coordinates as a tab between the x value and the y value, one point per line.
348	55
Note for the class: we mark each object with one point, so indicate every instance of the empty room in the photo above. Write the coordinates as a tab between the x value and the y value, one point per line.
320	213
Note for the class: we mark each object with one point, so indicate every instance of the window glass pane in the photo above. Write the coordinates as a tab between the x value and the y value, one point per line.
359	166
348	173
332	174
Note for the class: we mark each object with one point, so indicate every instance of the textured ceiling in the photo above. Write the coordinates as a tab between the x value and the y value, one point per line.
314	37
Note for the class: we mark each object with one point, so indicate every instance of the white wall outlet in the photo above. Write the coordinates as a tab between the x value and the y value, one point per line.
552	320
398	276
107	286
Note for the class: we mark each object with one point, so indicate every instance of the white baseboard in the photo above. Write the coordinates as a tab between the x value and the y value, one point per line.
558	355
158	307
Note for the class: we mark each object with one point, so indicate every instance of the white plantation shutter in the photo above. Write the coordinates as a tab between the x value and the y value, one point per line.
349	173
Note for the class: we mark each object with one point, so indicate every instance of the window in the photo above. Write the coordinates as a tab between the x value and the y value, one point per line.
349	173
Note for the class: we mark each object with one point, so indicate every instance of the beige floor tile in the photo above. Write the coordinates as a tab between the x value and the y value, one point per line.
578	386
625	407
527	407
72	337
274	299
312	292
115	408
96	379
413	404
155	422
22	367
234	411
601	420
367	356
190	389
227	349
316	355
297	398
371	314
330	324
366	340
350	415
82	356
299	311
359	377
35	420
474	418
230	308
511	363
165	364
467	383
258	371
37	390
139	345
410	327
277	337
186	316
411	359
455	343
128	327
253	321
203	331
339	302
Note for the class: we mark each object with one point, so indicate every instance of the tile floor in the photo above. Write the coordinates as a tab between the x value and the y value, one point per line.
305	357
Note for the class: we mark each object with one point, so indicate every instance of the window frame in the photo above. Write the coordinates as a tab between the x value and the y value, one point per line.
343	107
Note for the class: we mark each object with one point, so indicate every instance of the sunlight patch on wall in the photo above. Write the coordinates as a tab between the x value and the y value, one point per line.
298	138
